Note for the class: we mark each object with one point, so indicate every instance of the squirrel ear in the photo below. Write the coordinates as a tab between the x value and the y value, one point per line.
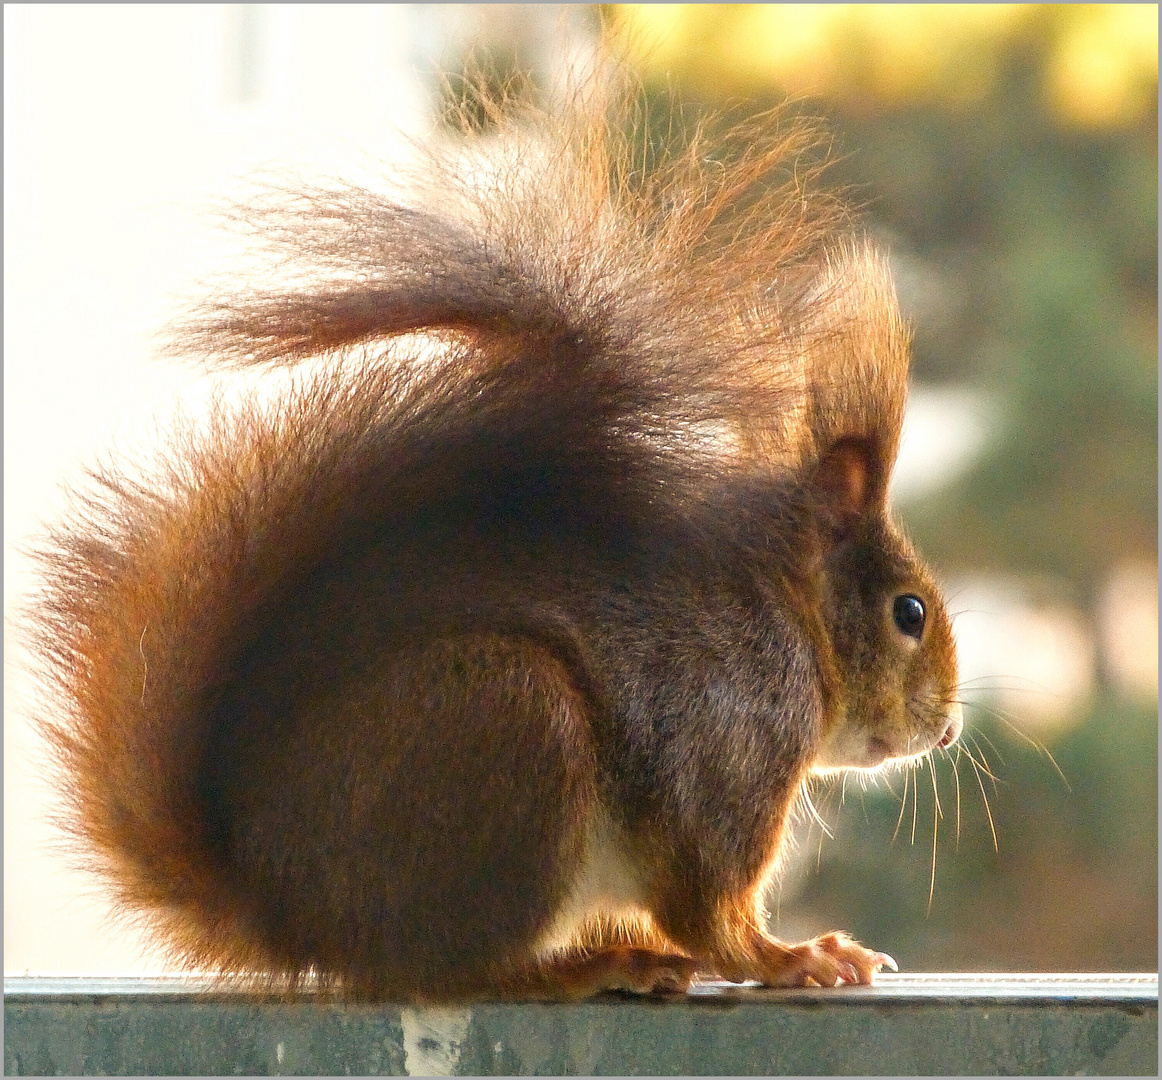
848	483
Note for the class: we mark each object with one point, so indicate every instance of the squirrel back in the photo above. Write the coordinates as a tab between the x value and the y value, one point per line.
499	671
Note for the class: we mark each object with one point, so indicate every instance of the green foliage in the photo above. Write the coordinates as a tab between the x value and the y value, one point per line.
1046	234
1039	245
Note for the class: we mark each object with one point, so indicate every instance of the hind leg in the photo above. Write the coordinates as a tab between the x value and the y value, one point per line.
434	824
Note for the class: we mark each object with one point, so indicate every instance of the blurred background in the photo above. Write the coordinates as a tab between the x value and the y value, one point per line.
1006	157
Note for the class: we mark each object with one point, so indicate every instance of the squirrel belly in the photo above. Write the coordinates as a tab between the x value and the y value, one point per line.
501	675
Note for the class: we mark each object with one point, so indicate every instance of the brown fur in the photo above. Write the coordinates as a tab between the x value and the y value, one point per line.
373	685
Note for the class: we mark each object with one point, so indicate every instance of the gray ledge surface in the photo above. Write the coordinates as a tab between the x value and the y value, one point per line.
906	1024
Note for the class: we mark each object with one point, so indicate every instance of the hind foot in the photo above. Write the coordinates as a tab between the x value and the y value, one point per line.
636	970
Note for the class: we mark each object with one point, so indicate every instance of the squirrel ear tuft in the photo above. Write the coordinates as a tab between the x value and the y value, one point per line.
848	483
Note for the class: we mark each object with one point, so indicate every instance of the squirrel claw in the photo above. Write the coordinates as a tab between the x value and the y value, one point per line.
831	960
848	973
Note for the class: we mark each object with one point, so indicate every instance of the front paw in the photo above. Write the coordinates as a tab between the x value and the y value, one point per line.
823	961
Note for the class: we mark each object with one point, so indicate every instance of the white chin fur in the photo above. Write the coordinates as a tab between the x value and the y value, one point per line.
856	750
851	749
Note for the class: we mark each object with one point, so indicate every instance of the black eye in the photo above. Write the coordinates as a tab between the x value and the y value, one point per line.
908	611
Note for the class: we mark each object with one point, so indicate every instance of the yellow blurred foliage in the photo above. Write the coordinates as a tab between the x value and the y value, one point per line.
1101	64
1105	68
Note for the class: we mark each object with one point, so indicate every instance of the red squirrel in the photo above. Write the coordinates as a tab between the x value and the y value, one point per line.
499	673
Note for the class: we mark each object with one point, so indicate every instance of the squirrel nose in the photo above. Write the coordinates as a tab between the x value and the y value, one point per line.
954	728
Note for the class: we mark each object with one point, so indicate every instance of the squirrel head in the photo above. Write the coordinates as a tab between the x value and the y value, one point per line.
888	646
888	635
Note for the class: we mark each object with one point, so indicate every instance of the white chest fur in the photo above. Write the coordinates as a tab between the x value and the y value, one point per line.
606	899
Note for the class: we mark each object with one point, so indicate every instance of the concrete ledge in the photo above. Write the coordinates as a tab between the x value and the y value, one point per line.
907	1024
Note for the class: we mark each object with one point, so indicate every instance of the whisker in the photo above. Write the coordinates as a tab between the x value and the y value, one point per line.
903	807
956	777
980	751
1000	715
932	770
824	829
992	745
1008	683
1002	682
1035	743
806	796
983	795
915	803
935	829
983	764
863	803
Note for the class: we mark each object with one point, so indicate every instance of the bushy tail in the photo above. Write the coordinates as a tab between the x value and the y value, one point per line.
154	589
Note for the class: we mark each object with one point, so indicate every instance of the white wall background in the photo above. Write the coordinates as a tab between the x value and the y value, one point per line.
123	126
